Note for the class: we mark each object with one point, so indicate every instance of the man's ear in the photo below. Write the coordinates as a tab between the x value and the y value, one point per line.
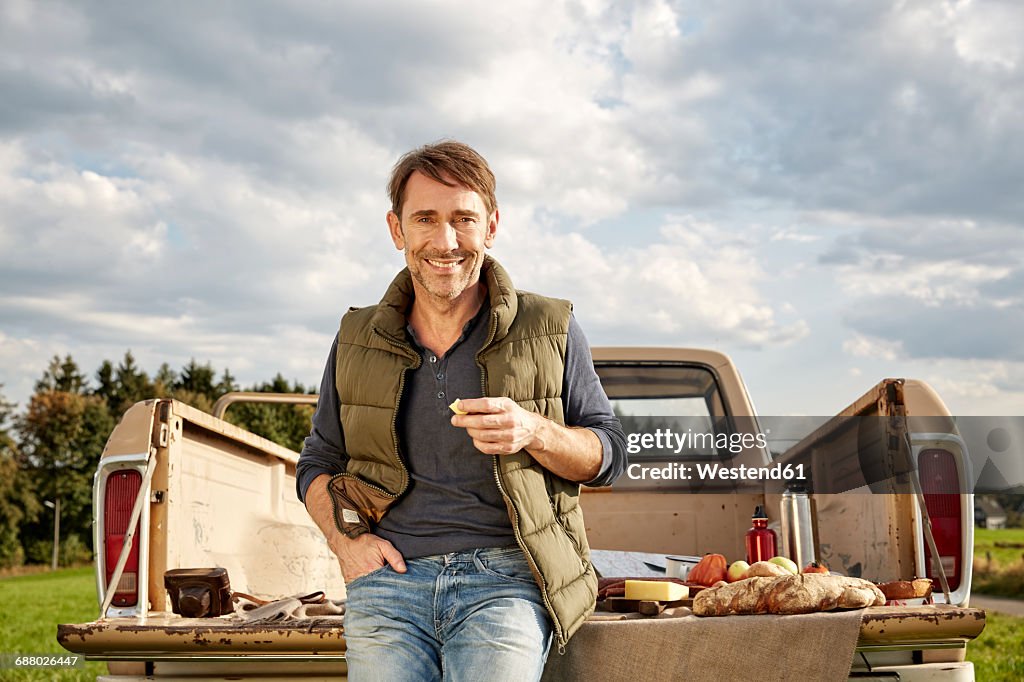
492	230
395	228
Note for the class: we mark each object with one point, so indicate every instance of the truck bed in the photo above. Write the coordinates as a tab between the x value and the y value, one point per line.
221	496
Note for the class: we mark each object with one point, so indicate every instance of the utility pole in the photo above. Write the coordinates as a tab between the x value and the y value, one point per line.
56	531
56	534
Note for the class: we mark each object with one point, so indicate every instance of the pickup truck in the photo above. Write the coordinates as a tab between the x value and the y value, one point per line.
179	488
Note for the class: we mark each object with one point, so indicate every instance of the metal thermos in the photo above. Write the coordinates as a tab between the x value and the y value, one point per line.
797	526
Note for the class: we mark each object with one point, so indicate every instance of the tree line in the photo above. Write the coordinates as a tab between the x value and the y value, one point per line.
50	449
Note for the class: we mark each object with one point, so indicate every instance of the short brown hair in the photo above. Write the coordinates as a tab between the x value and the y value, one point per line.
444	162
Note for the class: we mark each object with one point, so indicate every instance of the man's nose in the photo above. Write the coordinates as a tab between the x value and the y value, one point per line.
446	238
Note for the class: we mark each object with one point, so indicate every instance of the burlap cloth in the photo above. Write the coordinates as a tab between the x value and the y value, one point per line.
680	646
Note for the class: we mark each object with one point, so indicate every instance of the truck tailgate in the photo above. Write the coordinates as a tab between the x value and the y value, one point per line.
169	637
165	636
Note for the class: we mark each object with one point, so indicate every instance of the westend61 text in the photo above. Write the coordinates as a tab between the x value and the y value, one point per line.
706	471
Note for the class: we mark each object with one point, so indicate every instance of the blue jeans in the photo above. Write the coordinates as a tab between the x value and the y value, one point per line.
471	615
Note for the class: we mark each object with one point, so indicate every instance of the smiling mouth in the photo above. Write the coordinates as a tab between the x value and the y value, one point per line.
445	264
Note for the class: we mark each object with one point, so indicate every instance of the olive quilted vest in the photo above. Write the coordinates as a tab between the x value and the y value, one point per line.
523	359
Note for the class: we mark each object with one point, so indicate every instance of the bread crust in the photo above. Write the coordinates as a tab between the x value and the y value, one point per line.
766	569
918	588
790	594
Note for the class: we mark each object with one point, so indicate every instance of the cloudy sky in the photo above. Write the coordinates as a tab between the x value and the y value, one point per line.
827	191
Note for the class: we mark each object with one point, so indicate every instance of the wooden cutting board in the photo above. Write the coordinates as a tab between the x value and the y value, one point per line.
645	607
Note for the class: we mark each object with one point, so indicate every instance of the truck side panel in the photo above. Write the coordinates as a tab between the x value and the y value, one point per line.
236	506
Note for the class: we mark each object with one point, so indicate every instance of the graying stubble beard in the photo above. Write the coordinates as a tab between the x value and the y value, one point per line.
473	276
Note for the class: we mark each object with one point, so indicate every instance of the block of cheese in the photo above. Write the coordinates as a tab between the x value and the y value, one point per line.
655	590
455	407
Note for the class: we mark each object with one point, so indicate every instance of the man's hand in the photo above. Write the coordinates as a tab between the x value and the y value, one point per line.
359	556
499	426
363	554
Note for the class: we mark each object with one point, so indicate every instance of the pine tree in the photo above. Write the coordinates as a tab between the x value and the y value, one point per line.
107	385
196	378
62	375
226	384
133	384
164	381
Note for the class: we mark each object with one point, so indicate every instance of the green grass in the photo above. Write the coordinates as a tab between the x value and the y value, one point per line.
985	544
998	570
998	653
31	606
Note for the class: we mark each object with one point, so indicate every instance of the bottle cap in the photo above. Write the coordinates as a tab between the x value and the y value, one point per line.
759	512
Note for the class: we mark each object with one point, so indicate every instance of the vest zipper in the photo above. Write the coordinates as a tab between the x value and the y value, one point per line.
361	482
398	399
511	507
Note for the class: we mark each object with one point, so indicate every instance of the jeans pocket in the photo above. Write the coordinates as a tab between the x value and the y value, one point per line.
506	563
358	580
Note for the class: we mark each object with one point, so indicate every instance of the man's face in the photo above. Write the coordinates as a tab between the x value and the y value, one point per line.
444	232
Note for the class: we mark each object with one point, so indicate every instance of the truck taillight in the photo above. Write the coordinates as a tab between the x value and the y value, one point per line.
940	484
119	498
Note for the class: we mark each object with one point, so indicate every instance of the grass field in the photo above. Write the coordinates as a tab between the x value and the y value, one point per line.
999	562
998	654
31	606
985	544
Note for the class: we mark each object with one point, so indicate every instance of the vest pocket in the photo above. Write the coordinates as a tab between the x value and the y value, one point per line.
358	505
570	521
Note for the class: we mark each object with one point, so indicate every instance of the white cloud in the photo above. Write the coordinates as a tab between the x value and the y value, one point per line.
988	33
861	346
976	387
791	235
937	283
695	283
653	38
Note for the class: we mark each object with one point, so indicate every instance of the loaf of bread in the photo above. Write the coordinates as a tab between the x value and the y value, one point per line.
804	593
766	569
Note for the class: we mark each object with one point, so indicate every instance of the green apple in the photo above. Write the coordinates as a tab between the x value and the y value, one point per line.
737	571
786	563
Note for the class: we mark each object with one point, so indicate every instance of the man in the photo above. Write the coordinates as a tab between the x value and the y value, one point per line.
459	535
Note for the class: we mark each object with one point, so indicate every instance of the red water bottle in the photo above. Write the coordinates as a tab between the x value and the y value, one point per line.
760	538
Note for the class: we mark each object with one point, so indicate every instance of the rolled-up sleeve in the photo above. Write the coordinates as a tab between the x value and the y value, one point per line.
323	451
586	404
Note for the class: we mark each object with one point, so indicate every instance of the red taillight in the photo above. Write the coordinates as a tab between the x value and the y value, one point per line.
941	486
119	498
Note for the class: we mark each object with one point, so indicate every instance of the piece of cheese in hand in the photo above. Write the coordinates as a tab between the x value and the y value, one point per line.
455	407
655	590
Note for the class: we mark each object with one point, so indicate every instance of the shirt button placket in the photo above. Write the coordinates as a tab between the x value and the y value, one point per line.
439	378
